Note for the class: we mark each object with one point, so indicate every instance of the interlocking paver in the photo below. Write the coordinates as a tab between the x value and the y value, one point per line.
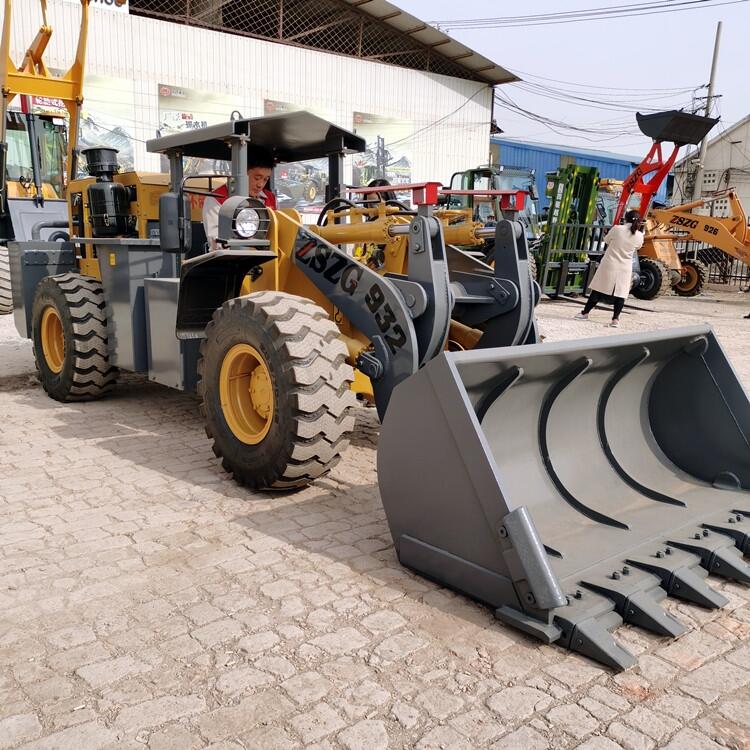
159	711
573	720
689	739
17	728
629	738
317	723
516	703
713	680
307	687
525	737
365	735
443	737
656	726
147	601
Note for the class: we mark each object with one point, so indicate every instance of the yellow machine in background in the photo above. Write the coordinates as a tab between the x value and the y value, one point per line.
378	240
37	160
379	234
681	224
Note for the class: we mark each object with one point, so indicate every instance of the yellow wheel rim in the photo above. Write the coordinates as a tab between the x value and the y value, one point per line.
246	394
690	280
53	339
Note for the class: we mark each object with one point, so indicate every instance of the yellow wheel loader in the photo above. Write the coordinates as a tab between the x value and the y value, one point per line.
563	485
681	224
36	158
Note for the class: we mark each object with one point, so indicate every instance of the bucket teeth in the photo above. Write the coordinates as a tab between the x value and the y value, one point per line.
717	555
681	577
584	627
689	584
642	609
592	638
729	564
735	528
636	595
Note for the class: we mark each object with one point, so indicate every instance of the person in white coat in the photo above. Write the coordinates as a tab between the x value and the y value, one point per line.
613	277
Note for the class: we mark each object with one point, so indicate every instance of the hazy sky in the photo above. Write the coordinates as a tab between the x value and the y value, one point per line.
662	51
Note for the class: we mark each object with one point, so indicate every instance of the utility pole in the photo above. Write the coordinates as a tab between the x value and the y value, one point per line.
709	99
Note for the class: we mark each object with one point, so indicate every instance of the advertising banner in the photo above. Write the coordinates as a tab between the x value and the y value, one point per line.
388	155
110	5
45	105
183	109
108	117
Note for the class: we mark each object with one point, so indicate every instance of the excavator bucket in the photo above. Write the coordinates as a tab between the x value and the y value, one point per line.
572	486
675	127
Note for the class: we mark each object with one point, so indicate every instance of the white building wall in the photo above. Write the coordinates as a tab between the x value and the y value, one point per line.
727	165
150	52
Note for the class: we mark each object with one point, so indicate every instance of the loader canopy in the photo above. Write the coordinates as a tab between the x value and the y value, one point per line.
294	136
566	485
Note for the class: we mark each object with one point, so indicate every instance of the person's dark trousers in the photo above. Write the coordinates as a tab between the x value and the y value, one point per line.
596	297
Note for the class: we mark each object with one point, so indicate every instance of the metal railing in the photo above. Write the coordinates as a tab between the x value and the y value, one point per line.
722	268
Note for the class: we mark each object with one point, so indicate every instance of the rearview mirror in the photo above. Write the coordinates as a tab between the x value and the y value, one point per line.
169	222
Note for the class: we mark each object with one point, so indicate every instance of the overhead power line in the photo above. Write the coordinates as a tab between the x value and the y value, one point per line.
438	121
594	132
630	105
590	14
598	97
578	85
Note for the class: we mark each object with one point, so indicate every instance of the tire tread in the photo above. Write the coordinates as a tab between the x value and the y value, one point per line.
92	374
321	398
6	297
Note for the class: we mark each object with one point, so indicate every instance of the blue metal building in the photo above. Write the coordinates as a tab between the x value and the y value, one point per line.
547	157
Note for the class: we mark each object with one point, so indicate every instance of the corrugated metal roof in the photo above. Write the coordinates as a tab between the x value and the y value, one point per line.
591	153
481	68
373	30
547	157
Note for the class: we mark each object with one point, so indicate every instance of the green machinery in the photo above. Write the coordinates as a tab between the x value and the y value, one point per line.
488	209
562	252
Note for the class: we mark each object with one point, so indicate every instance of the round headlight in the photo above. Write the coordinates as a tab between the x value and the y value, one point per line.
247	222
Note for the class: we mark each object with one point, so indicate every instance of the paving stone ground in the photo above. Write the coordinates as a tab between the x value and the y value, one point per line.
146	601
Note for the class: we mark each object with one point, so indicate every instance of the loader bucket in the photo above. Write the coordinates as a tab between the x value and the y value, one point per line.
675	127
572	486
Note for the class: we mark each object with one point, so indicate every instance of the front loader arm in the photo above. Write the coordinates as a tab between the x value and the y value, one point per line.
372	303
33	78
712	230
407	317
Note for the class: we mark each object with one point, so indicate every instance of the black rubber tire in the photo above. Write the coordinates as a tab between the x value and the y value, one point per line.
696	279
311	380
311	192
6	299
86	373
654	279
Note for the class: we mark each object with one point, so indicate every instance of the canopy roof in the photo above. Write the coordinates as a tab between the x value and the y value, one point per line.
293	136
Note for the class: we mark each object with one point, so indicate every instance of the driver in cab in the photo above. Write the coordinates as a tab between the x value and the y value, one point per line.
259	169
